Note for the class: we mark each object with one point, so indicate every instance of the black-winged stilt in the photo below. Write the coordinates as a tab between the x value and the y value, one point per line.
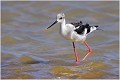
75	32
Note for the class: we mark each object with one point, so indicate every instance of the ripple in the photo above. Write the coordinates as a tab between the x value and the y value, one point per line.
9	40
41	53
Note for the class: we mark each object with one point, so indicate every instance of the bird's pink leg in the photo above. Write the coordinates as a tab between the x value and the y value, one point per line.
76	56
90	50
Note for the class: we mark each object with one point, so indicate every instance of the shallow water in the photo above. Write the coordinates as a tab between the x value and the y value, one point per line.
29	51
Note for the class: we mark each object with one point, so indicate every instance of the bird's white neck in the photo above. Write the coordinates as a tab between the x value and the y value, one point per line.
63	27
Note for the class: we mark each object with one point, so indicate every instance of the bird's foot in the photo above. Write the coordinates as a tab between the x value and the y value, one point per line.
77	62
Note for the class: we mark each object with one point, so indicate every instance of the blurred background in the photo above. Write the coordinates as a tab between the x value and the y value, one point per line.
29	51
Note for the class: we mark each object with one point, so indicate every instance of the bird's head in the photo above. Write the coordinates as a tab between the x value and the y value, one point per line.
60	18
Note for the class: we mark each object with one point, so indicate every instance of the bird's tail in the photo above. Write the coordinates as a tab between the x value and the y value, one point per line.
98	28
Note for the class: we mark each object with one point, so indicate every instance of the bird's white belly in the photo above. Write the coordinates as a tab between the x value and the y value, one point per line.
73	36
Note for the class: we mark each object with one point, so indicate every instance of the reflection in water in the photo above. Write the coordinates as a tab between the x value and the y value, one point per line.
29	51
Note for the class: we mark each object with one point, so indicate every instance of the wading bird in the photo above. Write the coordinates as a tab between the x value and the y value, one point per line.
75	32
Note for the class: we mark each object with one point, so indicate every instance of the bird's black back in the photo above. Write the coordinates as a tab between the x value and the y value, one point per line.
80	30
80	27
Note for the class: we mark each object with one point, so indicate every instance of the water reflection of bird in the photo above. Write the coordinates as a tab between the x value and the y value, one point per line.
75	32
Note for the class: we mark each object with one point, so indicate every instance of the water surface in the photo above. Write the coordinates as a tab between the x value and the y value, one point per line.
29	51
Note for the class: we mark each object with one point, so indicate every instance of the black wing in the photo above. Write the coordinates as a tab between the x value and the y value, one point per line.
82	28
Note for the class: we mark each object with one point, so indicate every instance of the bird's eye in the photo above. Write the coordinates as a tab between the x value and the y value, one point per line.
61	18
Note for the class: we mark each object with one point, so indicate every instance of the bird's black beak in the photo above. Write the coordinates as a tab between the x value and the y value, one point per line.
52	24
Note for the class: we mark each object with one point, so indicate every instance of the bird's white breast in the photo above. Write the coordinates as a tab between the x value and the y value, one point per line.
68	32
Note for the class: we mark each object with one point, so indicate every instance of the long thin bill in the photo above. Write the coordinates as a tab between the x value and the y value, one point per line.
52	24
